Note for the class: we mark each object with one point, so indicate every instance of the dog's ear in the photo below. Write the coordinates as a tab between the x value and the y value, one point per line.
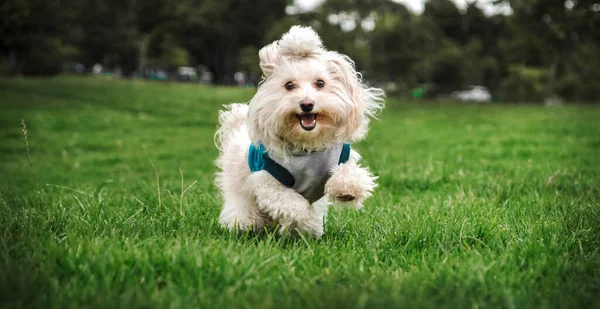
269	58
366	102
300	42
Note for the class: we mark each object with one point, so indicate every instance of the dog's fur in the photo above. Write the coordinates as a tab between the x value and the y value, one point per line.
344	106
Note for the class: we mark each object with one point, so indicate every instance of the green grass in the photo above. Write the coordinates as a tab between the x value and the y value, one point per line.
478	206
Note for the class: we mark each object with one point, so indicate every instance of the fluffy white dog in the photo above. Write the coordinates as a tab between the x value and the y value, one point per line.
284	157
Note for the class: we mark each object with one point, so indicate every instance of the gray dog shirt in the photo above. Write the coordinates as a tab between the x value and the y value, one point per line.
305	172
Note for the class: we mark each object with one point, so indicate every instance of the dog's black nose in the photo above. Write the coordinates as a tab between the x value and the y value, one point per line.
307	105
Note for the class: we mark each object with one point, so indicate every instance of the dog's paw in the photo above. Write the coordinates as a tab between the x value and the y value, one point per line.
345	198
350	185
349	201
310	223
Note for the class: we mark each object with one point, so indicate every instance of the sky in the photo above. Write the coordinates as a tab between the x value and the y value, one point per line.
417	5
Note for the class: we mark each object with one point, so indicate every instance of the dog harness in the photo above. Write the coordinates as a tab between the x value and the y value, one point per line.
305	172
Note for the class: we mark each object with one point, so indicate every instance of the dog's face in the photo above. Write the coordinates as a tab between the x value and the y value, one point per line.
303	105
310	98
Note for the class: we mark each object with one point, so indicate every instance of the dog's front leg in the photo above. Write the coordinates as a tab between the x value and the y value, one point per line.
350	184
285	205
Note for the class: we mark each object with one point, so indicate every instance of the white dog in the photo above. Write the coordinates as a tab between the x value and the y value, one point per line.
283	157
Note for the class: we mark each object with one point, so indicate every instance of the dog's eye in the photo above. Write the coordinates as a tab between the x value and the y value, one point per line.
320	83
289	86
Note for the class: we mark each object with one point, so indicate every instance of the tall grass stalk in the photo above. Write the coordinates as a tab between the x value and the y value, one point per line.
157	179
37	186
183	192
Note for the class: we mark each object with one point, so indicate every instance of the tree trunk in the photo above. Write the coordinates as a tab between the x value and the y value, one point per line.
143	55
548	92
13	68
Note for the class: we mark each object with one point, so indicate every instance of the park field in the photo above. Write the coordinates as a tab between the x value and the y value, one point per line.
494	206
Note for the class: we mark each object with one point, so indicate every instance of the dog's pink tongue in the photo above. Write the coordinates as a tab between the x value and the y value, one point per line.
308	120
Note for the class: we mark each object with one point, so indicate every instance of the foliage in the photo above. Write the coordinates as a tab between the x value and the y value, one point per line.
445	46
248	61
169	53
524	84
32	34
581	76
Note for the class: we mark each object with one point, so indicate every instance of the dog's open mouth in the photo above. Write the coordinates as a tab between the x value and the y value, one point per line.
308	121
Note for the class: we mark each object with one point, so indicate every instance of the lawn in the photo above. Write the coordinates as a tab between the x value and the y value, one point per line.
477	206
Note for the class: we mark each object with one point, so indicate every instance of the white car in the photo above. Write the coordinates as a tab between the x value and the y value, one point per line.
474	93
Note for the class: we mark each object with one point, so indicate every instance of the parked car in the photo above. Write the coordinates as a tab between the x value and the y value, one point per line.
187	73
474	94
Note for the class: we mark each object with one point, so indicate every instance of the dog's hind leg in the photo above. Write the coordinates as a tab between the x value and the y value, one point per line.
239	210
240	213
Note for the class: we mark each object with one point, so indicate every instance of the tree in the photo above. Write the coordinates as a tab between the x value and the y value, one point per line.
446	16
554	32
108	33
215	30
34	35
